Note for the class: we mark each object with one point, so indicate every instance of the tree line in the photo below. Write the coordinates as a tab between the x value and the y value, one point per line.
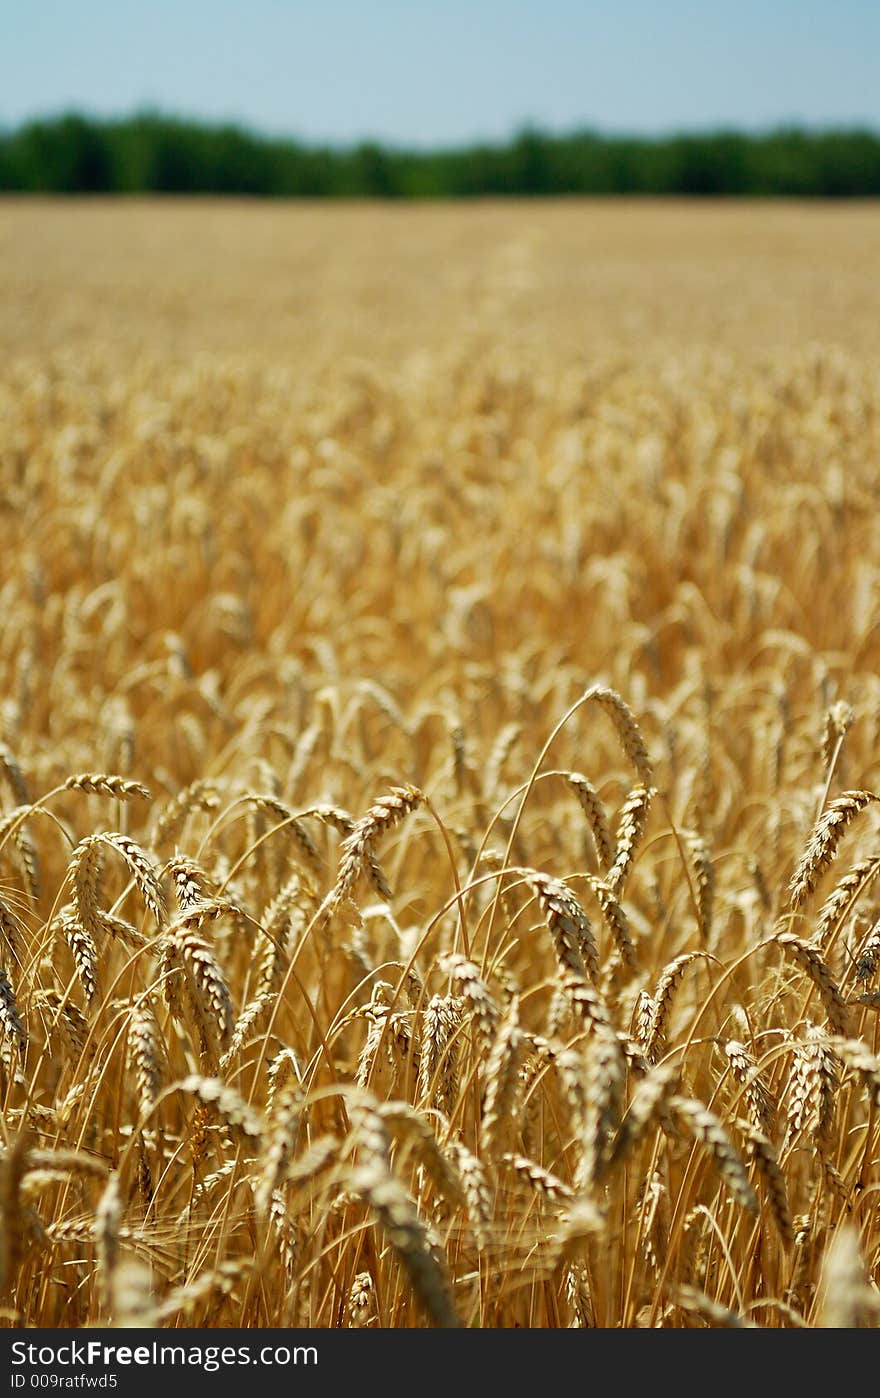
155	154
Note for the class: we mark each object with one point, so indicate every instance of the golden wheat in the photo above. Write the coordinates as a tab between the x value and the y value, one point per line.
438	737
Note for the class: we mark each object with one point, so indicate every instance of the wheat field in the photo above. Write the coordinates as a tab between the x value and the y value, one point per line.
439	722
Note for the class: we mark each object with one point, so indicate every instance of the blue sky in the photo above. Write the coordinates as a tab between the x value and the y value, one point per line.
446	70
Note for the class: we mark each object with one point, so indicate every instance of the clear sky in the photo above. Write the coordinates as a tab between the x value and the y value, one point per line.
423	71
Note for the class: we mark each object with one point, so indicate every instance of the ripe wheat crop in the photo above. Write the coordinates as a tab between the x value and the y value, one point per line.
439	767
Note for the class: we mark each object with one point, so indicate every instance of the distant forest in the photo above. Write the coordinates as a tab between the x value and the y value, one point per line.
155	154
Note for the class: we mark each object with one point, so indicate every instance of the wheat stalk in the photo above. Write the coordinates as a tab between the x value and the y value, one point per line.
822	846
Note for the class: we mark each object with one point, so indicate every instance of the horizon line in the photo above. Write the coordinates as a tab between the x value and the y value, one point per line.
525	127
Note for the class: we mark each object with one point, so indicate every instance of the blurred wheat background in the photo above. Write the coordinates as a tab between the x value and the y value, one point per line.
439	717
